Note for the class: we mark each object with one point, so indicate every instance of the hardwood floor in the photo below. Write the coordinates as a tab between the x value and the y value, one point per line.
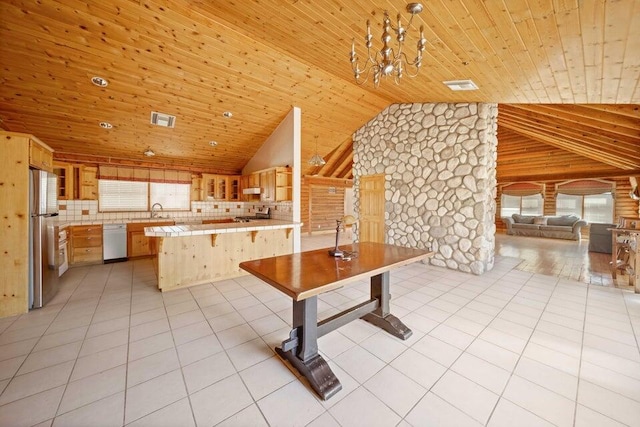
554	257
560	258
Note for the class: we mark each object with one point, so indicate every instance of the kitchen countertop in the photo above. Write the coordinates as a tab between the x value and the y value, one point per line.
204	229
63	223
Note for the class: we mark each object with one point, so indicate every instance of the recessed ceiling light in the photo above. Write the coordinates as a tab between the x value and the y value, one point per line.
149	152
99	81
461	85
106	125
213	143
228	114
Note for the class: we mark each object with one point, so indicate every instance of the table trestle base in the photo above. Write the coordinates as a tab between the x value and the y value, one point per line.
389	323
317	371
340	319
301	348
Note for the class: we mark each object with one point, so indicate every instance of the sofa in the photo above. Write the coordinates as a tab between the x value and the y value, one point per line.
558	227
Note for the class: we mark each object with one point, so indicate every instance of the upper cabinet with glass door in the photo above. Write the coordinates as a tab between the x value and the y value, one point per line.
221	187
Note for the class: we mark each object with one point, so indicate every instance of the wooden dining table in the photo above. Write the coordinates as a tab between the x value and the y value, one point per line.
305	275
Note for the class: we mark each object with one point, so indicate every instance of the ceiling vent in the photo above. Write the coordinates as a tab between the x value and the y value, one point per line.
164	120
461	85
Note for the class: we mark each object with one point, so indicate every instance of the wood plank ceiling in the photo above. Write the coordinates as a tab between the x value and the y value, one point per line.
258	58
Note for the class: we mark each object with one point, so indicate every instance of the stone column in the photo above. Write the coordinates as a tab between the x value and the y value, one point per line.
440	166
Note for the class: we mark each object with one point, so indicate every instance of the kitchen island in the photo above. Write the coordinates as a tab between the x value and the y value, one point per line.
191	255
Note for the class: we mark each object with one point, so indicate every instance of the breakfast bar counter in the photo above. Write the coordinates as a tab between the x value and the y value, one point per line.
191	255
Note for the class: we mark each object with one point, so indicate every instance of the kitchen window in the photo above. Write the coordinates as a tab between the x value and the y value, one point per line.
119	196
171	196
129	189
133	196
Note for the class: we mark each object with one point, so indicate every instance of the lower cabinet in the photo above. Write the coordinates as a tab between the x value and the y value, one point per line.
86	244
139	245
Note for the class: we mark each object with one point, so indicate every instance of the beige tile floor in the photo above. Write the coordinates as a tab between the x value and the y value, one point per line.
508	348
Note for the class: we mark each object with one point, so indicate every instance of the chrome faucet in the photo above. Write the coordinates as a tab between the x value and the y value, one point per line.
153	214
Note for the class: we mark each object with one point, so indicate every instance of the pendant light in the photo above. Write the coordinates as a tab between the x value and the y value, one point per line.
317	160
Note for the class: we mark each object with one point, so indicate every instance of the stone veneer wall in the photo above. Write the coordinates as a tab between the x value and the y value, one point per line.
440	166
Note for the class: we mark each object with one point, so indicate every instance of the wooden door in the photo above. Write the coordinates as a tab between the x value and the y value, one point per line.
372	209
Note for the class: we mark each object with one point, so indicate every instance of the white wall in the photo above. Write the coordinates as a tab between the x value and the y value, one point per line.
278	149
283	148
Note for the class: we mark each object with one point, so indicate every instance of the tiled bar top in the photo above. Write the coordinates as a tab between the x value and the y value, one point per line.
233	227
64	223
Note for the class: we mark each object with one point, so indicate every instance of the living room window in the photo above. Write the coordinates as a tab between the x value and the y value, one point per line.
589	199
596	208
523	198
523	205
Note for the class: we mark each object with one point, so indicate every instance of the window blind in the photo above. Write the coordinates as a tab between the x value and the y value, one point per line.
118	196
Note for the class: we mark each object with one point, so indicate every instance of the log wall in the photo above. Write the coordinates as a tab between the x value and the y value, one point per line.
322	202
624	205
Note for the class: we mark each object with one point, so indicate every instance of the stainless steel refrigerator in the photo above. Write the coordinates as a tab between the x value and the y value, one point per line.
43	237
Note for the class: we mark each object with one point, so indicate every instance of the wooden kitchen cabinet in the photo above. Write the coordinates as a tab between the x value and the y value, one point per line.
64	171
221	187
276	184
268	185
284	185
196	188
244	183
254	180
86	244
14	221
139	245
215	187
85	182
40	156
250	181
88	183
234	188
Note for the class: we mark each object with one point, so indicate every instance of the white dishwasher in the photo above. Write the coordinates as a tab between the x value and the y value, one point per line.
114	240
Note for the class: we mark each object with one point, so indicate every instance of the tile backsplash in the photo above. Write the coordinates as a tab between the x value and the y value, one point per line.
87	211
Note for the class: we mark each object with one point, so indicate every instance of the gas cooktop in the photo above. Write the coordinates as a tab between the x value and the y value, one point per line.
261	213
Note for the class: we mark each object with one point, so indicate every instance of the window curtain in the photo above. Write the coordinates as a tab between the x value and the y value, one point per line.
585	187
522	189
170	176
125	173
